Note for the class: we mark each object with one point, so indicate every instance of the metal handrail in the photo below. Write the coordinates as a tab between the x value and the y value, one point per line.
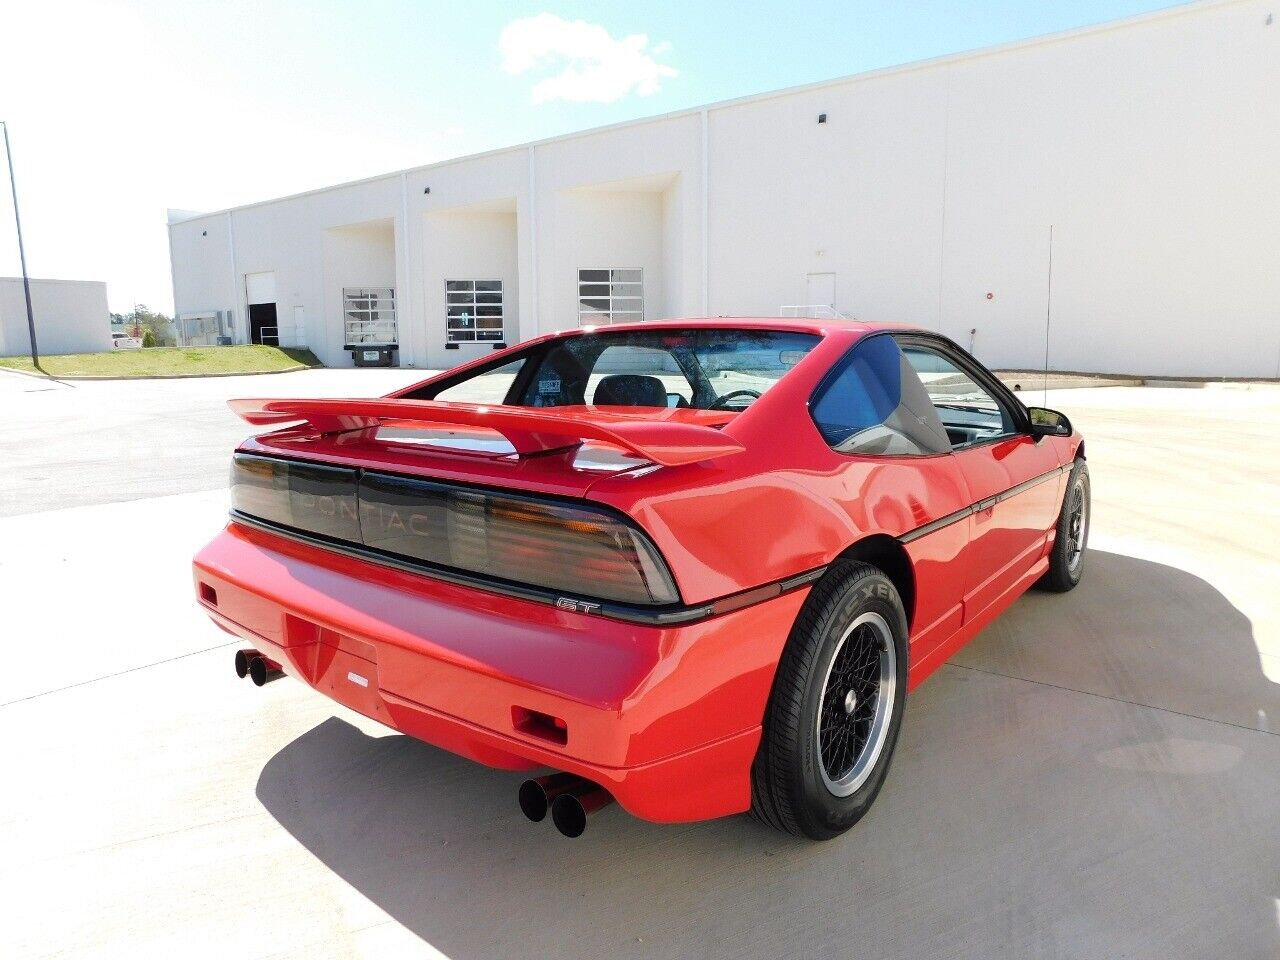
817	311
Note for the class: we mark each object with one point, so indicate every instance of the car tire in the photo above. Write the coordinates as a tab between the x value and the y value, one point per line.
1066	559
845	664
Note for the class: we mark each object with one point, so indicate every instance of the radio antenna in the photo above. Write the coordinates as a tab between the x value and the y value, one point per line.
1048	314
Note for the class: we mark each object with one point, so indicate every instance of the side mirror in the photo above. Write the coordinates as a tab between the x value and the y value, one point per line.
1048	423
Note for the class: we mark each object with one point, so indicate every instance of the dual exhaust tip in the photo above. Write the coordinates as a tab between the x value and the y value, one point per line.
571	799
252	664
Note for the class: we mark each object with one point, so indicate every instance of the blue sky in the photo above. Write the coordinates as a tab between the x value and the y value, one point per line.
118	110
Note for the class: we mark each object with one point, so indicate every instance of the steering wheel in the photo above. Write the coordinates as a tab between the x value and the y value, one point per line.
721	403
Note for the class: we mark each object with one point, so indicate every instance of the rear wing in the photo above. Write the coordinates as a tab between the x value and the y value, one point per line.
530	430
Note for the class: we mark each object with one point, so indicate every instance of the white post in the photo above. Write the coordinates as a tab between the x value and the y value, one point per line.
406	331
239	315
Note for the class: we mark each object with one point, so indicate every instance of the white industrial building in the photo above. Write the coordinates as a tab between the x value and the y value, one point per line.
924	194
71	316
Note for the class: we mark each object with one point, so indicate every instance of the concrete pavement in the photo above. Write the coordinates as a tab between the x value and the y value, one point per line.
72	443
1097	775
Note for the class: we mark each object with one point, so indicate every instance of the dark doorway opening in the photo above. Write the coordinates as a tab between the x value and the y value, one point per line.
262	324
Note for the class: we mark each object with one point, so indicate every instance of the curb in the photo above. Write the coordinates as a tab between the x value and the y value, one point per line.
158	376
1243	385
1142	379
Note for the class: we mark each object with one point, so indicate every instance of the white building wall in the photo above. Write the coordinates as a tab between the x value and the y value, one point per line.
203	277
71	316
680	240
441	244
589	182
468	244
606	229
1146	148
929	192
859	196
356	256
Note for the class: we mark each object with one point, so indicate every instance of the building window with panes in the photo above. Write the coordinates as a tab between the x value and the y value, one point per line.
474	311
369	316
610	296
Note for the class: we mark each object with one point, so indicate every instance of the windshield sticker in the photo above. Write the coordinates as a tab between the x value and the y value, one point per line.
549	386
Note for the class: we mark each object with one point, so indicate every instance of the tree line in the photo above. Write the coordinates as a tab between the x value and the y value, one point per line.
152	328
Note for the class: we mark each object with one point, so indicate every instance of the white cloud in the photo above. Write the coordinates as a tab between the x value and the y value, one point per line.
592	65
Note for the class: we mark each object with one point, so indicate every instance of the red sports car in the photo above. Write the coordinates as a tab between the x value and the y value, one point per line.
694	566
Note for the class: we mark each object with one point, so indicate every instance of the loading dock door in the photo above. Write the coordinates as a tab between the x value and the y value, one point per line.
260	293
263	327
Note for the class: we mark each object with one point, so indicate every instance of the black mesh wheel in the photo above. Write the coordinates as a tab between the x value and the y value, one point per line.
836	706
1071	537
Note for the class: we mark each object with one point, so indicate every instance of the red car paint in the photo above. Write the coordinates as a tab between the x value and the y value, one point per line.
667	717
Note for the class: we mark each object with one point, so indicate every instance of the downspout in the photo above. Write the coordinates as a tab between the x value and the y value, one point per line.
706	203
533	248
404	313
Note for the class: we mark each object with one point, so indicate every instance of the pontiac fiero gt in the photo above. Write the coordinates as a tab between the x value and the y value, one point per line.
694	566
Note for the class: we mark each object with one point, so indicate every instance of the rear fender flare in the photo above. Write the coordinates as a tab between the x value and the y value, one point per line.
888	555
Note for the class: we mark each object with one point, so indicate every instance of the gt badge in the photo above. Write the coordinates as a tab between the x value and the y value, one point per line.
577	606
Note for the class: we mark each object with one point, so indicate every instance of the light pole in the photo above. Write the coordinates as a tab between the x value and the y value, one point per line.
22	254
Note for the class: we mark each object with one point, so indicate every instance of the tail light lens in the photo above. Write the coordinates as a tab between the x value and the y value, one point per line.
577	550
306	496
560	547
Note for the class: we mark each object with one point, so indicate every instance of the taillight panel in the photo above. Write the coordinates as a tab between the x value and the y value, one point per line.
560	547
306	496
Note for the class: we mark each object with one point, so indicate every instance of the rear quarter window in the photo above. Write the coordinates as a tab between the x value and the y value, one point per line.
491	386
874	403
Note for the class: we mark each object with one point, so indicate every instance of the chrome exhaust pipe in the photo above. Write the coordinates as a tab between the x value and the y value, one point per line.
536	794
262	671
570	810
243	659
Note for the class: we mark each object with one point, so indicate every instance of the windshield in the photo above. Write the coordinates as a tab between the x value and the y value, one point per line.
703	369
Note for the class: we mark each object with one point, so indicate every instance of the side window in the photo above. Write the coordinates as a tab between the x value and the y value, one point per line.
875	404
488	387
968	411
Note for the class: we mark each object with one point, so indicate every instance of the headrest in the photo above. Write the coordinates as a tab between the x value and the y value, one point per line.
630	390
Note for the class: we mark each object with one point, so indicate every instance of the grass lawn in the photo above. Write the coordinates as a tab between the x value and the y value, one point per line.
167	361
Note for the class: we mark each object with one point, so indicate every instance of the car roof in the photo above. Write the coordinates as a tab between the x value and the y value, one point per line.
821	326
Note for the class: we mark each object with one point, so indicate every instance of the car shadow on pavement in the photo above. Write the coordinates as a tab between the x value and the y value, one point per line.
1037	807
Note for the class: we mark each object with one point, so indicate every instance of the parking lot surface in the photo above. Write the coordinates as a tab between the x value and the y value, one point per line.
1096	775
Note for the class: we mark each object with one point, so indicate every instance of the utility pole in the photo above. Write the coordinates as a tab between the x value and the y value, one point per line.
22	254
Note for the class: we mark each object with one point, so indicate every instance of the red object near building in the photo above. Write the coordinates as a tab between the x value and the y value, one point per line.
698	564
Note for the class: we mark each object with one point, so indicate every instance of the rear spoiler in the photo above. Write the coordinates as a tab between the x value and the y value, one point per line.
529	430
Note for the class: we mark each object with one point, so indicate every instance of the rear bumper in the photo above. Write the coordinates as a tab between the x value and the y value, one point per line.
667	718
